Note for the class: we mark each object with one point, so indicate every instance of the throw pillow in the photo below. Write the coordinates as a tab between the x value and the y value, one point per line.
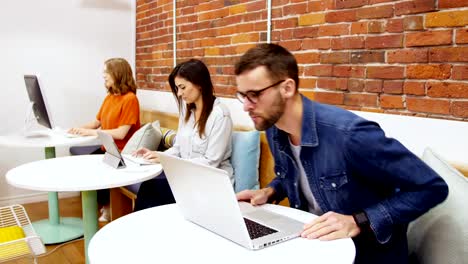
245	158
12	242
10	233
168	138
148	136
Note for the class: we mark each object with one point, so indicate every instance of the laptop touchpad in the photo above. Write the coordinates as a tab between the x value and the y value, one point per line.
262	215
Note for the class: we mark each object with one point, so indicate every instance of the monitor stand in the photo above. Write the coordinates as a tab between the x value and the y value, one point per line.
31	129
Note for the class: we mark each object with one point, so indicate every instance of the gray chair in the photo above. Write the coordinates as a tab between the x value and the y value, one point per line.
441	235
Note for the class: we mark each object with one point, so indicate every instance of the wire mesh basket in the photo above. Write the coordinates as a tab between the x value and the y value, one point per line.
17	236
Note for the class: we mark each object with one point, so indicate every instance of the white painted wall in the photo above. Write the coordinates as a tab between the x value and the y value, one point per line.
66	42
446	137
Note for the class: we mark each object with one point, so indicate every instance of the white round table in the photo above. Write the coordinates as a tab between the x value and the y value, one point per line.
161	234
86	173
51	140
55	229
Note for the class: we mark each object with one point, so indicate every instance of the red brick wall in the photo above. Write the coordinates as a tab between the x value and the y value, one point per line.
404	57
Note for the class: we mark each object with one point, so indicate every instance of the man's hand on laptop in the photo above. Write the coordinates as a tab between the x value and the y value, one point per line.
256	197
146	154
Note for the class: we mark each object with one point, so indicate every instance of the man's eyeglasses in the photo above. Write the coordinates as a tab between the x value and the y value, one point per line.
253	96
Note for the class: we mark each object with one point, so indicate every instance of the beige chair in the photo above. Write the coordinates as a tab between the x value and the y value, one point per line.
441	235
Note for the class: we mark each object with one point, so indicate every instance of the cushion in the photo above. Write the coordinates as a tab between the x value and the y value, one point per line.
10	233
441	234
148	136
168	138
245	158
16	247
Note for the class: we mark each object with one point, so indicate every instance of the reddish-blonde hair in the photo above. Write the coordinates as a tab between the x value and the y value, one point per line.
121	73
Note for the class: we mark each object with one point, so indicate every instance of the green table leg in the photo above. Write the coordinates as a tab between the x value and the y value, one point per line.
89	203
57	229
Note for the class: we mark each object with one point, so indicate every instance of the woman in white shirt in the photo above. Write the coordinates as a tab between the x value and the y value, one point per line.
204	133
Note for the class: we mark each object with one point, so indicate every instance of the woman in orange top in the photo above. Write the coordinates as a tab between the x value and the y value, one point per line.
118	116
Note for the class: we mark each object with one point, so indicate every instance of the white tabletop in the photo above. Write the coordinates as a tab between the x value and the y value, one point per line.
160	234
77	173
52	139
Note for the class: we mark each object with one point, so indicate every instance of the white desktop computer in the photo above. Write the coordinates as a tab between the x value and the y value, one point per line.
38	112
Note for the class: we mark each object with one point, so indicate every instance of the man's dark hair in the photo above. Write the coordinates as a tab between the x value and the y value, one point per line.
279	62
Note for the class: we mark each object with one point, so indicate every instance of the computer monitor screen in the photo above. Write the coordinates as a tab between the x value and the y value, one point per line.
38	103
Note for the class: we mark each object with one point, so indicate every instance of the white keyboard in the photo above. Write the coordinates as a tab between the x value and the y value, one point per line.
61	132
49	133
69	135
137	160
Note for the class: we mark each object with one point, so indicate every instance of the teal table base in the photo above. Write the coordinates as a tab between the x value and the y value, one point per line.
57	229
67	229
89	204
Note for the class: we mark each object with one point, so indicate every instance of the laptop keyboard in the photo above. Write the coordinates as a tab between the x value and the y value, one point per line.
257	230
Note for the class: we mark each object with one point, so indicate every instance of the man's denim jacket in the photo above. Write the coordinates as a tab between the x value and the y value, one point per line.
351	166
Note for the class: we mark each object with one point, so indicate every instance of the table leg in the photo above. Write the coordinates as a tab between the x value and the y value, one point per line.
57	229
90	207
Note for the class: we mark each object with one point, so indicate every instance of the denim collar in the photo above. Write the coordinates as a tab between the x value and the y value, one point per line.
309	137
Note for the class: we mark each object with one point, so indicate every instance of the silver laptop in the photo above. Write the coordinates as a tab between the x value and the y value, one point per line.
113	151
205	197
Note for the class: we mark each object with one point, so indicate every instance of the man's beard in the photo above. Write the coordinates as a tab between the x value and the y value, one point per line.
274	114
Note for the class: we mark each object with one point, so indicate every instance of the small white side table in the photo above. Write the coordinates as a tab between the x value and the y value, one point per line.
55	229
86	173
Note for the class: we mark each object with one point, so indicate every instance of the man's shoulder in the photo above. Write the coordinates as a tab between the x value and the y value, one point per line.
331	112
334	116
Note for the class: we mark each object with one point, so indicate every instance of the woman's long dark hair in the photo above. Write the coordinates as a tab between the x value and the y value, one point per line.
196	72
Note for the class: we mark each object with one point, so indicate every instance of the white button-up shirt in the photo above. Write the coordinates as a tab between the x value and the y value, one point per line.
214	147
